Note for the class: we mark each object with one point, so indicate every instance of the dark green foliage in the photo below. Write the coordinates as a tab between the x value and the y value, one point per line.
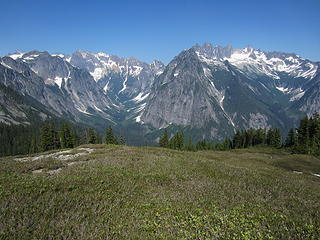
237	140
260	137
164	139
274	137
66	136
292	138
241	139
190	146
305	138
49	139
203	145
33	145
252	137
110	138
18	139
122	140
177	141
92	136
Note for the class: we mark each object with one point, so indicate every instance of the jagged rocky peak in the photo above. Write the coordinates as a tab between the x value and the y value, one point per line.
157	67
53	69
255	62
102	64
16	55
214	52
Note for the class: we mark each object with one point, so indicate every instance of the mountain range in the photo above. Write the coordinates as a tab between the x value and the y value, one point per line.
207	91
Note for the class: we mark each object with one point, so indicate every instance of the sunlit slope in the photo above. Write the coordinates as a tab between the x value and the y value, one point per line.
120	192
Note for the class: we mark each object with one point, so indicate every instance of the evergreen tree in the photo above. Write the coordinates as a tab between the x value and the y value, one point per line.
122	140
202	145
292	138
177	141
249	137
260	136
91	136
110	138
274	137
237	140
33	145
303	136
190	146
277	138
75	138
227	144
20	139
315	133
49	137
66	138
164	139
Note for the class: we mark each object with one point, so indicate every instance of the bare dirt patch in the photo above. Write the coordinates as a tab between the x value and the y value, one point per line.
65	155
62	155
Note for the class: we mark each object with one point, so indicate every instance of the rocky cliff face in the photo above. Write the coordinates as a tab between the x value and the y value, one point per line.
124	77
209	88
66	90
223	89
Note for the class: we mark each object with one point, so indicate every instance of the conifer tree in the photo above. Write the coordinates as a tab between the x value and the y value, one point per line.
33	145
49	137
66	138
190	146
277	138
177	141
292	138
164	139
237	140
303	136
91	136
122	140
110	138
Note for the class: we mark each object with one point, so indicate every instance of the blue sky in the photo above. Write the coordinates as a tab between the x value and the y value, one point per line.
151	30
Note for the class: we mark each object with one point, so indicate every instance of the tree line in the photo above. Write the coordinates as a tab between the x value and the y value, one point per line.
16	139
66	137
20	139
305	138
242	139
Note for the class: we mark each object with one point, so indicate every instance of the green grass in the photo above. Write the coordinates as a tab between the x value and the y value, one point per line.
121	192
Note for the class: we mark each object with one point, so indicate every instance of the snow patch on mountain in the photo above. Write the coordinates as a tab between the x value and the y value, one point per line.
83	111
138	119
98	73
31	57
125	80
284	90
206	72
140	97
106	87
298	93
98	109
58	55
5	65
58	81
16	55
252	61
135	70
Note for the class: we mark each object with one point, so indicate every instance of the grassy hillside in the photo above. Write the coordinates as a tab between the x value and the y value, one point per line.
120	192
